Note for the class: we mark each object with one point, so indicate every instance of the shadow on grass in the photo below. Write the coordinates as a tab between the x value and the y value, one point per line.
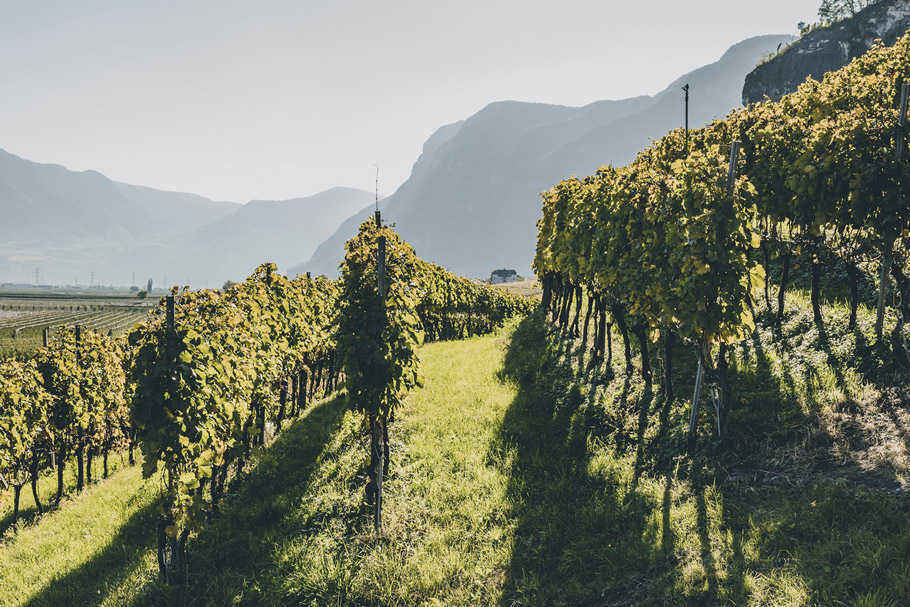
735	520
110	568
577	530
644	407
28	512
592	528
232	559
824	343
704	537
590	531
796	391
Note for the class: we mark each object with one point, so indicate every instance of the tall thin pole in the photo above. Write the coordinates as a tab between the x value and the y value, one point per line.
686	89
171	330
380	267
378	215
902	120
380	423
731	172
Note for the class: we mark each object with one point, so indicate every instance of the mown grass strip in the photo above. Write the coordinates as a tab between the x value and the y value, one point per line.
95	549
298	532
508	487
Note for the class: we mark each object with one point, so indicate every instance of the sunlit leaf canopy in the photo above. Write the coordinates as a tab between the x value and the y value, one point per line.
666	236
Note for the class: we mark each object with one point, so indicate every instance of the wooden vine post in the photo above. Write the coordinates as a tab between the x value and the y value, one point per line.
45	338
378	430
390	299
686	89
80	443
379	424
704	351
886	254
696	397
167	546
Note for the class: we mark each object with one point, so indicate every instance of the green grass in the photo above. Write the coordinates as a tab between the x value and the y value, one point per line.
306	536
47	491
95	549
504	491
775	511
521	475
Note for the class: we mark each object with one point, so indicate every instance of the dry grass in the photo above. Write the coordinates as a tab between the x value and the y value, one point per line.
527	288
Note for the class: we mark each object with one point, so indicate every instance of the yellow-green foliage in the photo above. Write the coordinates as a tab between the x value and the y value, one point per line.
666	239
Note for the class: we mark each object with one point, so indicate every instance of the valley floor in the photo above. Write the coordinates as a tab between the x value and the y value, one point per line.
511	483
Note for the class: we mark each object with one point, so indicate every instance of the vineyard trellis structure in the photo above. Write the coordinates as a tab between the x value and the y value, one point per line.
663	248
209	376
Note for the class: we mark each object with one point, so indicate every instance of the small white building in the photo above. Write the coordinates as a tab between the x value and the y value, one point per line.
501	276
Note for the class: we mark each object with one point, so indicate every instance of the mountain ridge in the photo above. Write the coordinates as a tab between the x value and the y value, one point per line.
81	226
471	203
276	231
60	220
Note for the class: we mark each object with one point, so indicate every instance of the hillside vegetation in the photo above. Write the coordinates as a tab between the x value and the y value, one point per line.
517	480
211	377
556	461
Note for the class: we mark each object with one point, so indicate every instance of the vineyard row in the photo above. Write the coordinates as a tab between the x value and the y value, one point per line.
678	243
211	376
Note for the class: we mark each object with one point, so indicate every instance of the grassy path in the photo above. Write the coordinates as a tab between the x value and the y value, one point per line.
447	532
509	486
496	496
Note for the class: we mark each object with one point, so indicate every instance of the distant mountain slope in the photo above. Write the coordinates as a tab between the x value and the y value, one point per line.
42	201
73	226
260	231
472	202
68	224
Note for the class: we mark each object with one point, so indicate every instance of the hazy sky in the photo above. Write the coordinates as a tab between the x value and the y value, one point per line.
283	98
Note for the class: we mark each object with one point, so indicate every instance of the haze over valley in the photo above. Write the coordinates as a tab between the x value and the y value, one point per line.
470	203
468	112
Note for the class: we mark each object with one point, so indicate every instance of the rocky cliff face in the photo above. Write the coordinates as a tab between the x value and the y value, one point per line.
827	49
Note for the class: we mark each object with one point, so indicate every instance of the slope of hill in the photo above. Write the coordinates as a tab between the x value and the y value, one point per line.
471	202
514	481
81	227
827	49
278	231
68	224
